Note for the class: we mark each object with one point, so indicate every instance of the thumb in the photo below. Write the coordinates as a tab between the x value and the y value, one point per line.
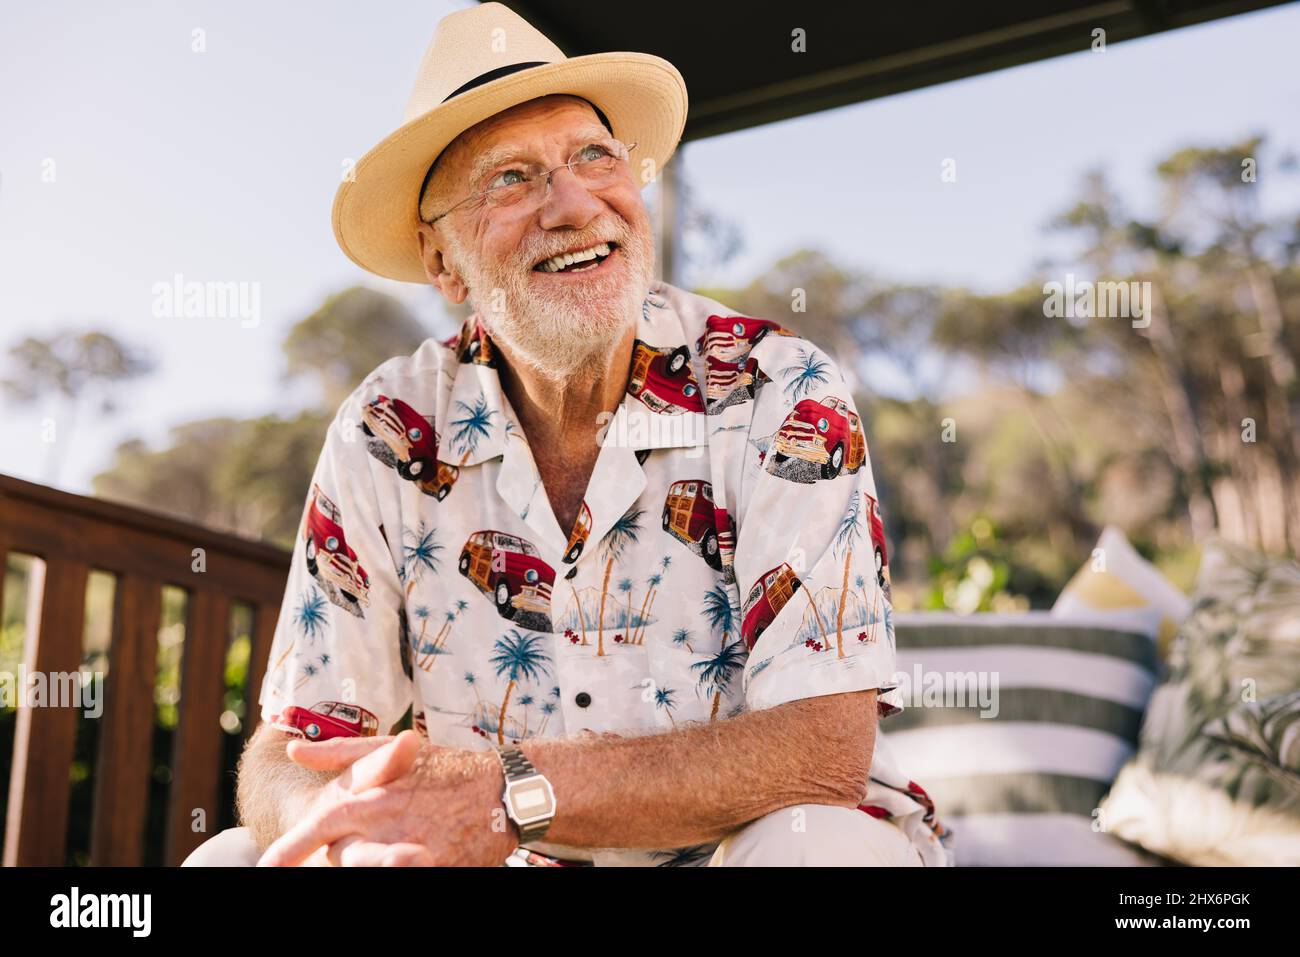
335	754
387	763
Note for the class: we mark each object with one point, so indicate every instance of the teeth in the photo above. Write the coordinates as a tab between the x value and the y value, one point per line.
556	263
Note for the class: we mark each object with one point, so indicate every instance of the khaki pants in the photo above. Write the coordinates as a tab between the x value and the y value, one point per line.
807	835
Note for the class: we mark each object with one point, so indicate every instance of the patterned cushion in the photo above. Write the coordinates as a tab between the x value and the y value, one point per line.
1217	776
1064	699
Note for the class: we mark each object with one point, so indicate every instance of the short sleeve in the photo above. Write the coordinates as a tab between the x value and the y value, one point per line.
335	668
811	560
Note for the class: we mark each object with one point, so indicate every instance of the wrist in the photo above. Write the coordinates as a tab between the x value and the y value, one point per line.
528	795
494	776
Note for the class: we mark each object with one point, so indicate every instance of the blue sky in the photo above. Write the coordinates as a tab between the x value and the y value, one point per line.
221	166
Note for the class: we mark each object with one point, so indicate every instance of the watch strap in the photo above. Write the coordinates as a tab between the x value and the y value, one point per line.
516	766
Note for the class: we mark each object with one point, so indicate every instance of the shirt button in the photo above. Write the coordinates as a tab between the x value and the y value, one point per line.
582	699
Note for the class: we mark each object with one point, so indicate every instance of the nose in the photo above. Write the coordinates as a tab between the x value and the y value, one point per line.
568	203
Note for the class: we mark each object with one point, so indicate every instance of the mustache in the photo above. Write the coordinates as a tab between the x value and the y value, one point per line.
545	247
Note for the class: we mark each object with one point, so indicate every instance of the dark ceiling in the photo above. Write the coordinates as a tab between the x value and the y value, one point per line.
740	69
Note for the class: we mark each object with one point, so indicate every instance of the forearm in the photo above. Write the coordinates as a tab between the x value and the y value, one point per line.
273	792
696	784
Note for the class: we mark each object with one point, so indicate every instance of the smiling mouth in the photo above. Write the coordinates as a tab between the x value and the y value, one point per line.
578	260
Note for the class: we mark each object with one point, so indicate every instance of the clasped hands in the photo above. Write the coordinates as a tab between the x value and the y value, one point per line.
399	802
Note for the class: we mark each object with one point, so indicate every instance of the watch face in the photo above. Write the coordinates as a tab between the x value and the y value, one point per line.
531	800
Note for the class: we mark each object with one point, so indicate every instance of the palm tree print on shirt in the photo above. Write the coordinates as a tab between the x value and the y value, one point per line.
846	536
518	657
430	650
310	620
420	555
800	378
664	700
474	426
716	672
682	636
648	603
719	611
621	534
625	586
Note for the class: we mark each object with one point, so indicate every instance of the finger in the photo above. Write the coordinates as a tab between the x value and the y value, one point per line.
386	764
374	854
318	858
318	830
408	855
336	754
336	852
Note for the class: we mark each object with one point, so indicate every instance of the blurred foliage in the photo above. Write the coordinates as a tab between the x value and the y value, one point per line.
250	476
75	368
1058	426
340	343
972	574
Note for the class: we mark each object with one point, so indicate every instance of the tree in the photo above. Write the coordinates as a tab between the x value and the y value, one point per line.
250	476
352	333
77	367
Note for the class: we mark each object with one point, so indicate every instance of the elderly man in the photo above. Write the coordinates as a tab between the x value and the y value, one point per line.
616	548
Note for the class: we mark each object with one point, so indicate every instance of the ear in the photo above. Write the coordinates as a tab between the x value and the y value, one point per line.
441	274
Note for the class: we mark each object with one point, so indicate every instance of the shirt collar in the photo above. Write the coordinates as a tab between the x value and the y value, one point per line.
661	409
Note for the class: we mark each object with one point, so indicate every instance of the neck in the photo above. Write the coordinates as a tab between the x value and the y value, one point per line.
565	413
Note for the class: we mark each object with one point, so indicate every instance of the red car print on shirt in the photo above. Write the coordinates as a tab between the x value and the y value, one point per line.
329	719
731	337
511	571
409	434
691	517
329	558
473	345
765	600
663	380
878	541
726	541
823	432
413	441
578	537
724	379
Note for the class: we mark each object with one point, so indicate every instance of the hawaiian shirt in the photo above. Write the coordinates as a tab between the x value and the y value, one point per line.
729	555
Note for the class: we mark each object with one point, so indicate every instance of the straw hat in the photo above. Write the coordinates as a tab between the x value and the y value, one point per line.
484	60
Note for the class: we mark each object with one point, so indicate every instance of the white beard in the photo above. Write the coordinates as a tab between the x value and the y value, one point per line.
566	333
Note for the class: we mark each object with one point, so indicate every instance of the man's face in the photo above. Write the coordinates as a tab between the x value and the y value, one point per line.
556	322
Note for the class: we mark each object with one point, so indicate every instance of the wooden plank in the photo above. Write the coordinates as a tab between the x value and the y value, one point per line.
120	540
265	617
28	496
196	756
37	821
125	758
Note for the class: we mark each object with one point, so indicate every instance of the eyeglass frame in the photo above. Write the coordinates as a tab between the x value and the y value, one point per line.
547	174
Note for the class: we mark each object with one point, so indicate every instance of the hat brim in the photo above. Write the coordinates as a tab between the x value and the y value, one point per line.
376	210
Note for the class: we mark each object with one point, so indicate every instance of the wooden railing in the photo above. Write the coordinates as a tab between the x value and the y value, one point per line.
74	535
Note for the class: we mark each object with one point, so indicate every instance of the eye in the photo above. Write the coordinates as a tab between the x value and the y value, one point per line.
508	177
592	151
415	435
332	543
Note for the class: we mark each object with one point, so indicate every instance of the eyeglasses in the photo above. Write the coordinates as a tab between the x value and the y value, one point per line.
596	165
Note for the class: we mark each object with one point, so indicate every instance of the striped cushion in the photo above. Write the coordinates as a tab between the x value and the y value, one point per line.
1064	700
